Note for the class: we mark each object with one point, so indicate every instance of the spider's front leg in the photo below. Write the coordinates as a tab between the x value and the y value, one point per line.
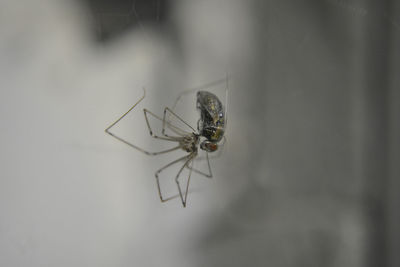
168	123
108	131
175	129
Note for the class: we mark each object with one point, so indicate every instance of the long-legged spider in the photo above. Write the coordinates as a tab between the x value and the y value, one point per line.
210	131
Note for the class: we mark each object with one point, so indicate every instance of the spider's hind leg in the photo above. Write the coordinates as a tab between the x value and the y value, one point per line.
183	196
183	199
207	174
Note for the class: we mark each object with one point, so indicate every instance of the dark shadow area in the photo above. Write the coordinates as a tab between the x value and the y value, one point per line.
114	18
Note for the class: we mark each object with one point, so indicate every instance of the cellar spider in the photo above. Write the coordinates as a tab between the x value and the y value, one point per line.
210	132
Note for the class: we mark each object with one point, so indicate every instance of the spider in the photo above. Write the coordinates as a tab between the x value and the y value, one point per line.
210	132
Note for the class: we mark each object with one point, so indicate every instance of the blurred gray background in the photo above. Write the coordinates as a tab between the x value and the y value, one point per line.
310	174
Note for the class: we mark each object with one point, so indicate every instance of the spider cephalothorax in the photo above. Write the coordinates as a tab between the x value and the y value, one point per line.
190	143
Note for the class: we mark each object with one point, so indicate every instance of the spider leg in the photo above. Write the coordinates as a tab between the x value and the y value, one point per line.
207	157
126	113
107	130
190	159
172	127
209	174
141	149
187	157
226	98
167	109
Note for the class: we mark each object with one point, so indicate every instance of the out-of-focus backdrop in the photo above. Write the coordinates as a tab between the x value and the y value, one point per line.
310	172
